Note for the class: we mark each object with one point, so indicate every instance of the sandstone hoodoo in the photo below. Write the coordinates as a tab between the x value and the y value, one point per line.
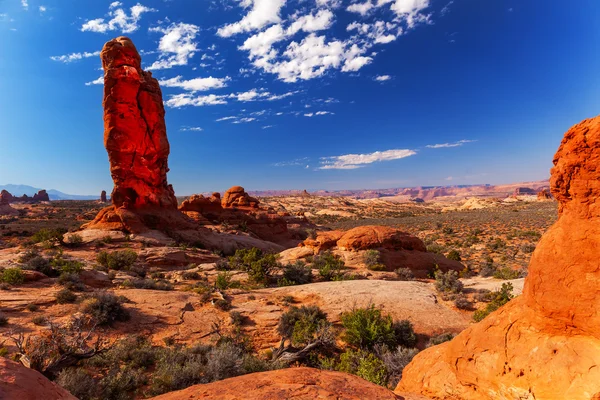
546	343
7	198
103	196
236	196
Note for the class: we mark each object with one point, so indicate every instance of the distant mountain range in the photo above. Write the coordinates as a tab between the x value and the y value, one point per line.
20	190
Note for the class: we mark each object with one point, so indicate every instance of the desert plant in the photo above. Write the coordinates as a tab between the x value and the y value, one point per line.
223	281
462	303
300	325
404	274
297	273
454	255
372	259
65	296
395	361
104	308
448	282
3	319
13	276
367	327
444	337
364	364
507	273
498	299
117	260
330	266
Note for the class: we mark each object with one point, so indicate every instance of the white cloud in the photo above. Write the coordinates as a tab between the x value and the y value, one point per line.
191	129
354	161
177	46
297	162
185	99
99	81
196	84
115	4
226	118
309	114
244	120
68	58
382	78
267	126
262	13
446	145
119	20
42	9
360	8
324	113
25	4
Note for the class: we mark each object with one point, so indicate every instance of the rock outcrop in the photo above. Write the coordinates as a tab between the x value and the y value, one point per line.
7	198
397	249
236	196
544	195
290	383
103	196
545	344
5	208
20	383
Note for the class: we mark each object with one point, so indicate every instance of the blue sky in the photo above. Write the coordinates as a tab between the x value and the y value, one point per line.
315	94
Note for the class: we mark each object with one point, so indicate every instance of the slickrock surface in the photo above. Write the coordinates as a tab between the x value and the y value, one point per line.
20	383
292	383
546	343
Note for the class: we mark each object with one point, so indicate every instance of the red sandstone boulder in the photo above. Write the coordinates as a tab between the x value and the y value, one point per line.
236	196
290	383
546	343
544	195
20	383
379	237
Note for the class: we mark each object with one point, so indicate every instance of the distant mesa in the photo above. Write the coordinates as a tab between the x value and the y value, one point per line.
545	344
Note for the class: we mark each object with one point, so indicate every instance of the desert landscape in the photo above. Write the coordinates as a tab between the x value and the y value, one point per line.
444	292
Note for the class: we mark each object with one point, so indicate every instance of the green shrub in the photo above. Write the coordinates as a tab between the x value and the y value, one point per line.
67	266
448	282
117	260
395	361
78	382
300	325
372	259
104	308
223	281
507	273
39	320
296	274
498	299
65	296
40	264
13	276
330	266
48	235
364	364
454	255
462	303
259	266
444	337
367	327
149	284
75	240
404	274
223	304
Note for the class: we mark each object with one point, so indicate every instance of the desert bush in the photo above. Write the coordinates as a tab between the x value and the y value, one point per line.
367	327
65	296
497	244
4	286
330	266
528	248
372	259
236	318
223	304
223	265
104	308
444	337
436	248
364	364
75	240
40	264
71	282
448	282
258	265
462	303
454	255
39	320
117	260
448	230
507	273
149	284
31	307
78	382
3	319
404	274
48	235
13	276
191	275
28	255
498	299
300	325
66	266
223	281
395	361
297	273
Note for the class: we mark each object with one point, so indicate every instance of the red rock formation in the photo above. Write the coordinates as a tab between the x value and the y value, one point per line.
20	383
236	196
200	204
5	197
544	194
290	383
546	343
41	196
397	249
103	196
135	134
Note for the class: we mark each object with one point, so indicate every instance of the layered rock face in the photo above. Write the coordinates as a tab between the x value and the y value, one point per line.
546	343
135	135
